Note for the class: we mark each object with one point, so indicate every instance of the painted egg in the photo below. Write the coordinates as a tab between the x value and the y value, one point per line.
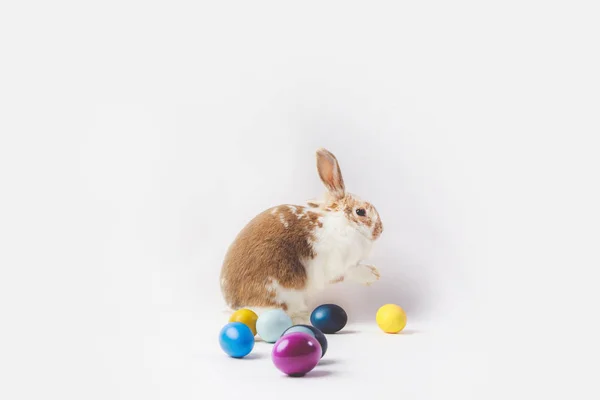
311	330
271	324
329	318
245	316
236	339
296	353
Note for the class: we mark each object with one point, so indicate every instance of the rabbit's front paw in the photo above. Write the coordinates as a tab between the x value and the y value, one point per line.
364	274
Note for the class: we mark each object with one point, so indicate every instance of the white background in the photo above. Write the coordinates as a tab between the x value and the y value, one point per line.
137	138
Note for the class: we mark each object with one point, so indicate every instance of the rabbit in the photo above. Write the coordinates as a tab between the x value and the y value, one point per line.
288	253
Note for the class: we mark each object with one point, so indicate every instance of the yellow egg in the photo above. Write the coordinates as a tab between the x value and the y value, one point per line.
391	318
245	316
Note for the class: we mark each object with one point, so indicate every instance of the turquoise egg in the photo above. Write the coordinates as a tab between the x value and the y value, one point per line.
271	324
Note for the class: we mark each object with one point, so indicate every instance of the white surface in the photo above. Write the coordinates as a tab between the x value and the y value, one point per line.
138	137
360	360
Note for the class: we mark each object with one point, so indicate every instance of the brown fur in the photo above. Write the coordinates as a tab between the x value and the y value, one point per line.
313	219
266	249
377	229
349	204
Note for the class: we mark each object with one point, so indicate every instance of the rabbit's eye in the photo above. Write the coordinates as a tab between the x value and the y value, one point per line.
361	212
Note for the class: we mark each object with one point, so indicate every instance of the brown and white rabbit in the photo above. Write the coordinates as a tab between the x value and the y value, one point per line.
288	253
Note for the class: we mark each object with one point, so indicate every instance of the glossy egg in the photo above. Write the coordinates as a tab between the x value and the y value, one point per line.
311	330
271	324
296	353
236	339
245	316
329	318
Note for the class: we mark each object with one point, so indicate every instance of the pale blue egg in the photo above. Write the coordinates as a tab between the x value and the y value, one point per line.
271	325
299	328
311	330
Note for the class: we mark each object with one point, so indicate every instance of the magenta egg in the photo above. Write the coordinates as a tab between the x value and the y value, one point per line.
296	353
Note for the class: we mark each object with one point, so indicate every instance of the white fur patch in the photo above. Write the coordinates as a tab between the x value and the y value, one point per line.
283	221
274	211
271	286
299	212
294	299
338	247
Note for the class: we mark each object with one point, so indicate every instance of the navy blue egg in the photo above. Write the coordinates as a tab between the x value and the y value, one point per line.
329	318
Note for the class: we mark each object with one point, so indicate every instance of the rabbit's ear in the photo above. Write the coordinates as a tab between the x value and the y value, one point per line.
329	171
